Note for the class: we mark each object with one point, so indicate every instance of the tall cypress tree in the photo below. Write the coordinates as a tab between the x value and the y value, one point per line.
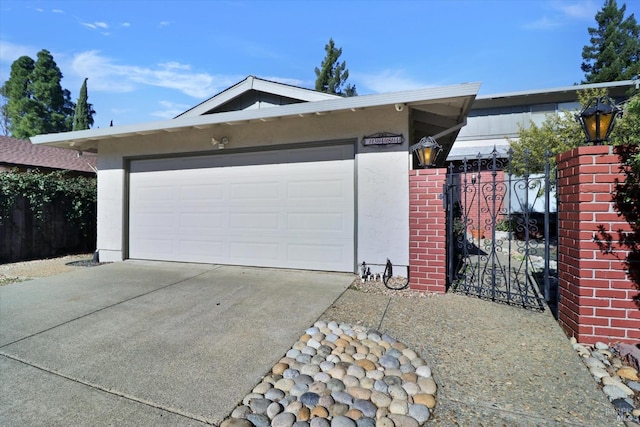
36	103
332	74
83	117
615	46
4	113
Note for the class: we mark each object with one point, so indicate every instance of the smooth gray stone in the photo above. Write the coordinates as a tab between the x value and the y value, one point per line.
342	421
310	399
366	422
284	419
259	406
319	422
420	412
274	394
367	408
335	384
259	420
342	397
290	373
389	362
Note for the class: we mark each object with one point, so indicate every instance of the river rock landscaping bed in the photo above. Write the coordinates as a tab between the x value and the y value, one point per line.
343	376
612	366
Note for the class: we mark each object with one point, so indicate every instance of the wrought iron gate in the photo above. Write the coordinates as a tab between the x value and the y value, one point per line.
500	232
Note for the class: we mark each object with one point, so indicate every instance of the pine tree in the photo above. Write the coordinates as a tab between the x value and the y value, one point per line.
83	117
20	107
36	103
47	91
332	75
615	46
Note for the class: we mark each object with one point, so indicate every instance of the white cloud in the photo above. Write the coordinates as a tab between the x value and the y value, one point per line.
164	23
175	65
95	25
57	11
565	12
543	23
121	111
9	52
107	75
582	10
386	81
286	81
170	110
125	24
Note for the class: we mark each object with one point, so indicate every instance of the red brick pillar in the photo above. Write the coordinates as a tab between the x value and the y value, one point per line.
427	228
595	294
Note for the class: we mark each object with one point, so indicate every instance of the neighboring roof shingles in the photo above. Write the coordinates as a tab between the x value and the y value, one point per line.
23	153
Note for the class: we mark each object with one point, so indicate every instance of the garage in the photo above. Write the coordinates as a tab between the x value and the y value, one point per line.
268	174
285	208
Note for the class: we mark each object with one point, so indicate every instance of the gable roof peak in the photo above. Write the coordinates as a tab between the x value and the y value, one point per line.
282	91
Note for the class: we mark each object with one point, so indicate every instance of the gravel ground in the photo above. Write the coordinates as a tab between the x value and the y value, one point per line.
495	365
27	270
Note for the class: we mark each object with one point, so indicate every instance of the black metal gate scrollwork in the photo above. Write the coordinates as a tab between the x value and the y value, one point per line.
499	235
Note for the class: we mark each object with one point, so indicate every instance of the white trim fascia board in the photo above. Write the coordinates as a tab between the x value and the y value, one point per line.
434	94
575	88
291	91
258	84
471	148
484	142
219	99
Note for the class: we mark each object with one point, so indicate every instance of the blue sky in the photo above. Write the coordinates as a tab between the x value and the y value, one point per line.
149	60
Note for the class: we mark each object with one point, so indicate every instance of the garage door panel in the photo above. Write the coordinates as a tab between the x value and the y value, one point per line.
260	209
255	190
200	250
322	254
160	248
256	220
151	224
254	251
153	193
312	222
201	194
202	221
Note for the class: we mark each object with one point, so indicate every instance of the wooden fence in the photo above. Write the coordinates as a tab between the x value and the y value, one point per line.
24	237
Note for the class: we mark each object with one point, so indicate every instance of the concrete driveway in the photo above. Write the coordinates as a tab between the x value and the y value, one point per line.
149	343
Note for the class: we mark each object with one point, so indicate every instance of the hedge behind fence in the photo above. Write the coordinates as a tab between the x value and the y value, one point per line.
46	214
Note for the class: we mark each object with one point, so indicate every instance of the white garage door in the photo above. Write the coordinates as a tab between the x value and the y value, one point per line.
285	208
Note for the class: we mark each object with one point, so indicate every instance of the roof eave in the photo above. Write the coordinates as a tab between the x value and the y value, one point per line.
300	109
573	88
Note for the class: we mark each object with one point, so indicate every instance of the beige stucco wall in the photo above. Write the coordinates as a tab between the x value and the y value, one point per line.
382	189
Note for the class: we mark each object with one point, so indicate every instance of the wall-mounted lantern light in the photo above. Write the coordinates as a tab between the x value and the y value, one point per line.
598	118
427	150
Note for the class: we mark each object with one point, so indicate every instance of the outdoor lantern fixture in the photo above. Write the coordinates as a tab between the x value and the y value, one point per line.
427	150
598	118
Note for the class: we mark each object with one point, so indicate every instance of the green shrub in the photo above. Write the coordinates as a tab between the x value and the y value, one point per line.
505	224
76	194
